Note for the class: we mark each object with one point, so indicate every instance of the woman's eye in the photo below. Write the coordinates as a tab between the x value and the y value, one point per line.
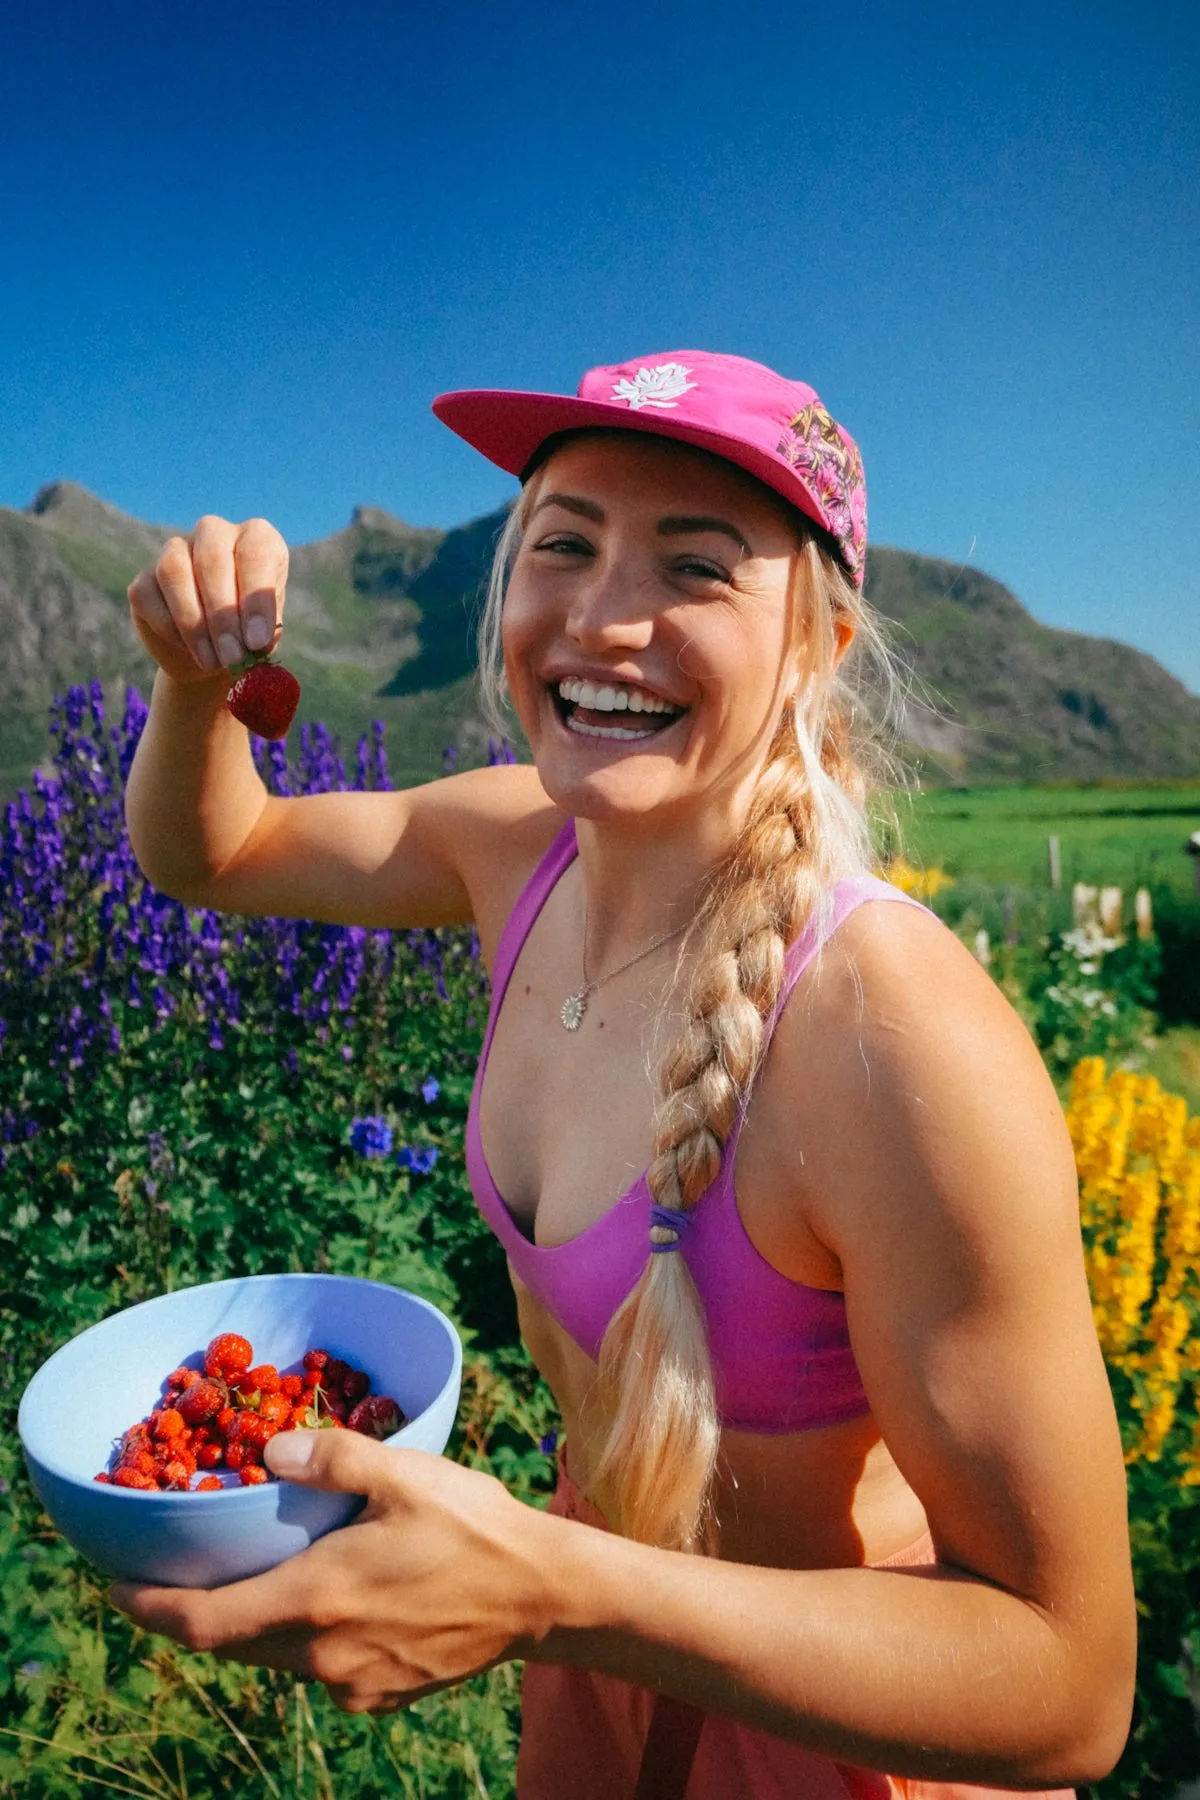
698	567
565	545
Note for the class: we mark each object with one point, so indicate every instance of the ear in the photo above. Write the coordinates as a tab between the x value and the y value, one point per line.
843	630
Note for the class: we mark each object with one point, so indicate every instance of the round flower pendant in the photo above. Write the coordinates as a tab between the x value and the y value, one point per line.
572	1010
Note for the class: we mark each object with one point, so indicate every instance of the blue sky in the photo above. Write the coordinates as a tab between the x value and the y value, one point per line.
242	246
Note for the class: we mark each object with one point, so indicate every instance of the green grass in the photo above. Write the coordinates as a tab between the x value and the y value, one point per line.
1108	834
1175	1059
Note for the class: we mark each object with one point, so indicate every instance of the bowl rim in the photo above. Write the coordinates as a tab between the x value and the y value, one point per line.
261	1492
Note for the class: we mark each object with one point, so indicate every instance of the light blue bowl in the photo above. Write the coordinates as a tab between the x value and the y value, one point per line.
95	1387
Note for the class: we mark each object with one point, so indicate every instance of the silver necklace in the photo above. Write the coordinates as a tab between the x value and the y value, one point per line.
575	1005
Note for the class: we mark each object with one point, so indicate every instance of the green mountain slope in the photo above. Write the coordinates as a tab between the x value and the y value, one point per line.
380	625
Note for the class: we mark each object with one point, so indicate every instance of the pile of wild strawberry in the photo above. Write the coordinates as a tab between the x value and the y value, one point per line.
223	1419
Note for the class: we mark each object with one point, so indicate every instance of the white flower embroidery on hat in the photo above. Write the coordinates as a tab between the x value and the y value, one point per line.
660	386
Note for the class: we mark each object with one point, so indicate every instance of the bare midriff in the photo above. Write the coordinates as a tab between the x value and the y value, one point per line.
831	1497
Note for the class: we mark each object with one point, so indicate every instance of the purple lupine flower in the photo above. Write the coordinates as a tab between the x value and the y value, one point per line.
430	1089
372	1136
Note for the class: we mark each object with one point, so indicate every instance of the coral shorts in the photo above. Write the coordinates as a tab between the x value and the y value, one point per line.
591	1737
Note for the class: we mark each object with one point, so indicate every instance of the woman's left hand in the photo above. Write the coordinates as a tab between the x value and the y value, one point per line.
443	1574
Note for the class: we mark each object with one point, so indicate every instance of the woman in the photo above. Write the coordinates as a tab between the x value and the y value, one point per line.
847	1351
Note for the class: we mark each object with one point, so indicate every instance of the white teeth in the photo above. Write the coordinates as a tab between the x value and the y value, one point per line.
612	698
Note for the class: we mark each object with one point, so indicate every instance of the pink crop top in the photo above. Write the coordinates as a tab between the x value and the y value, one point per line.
780	1351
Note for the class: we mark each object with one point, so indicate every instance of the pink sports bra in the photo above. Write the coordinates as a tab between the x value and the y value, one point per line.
781	1353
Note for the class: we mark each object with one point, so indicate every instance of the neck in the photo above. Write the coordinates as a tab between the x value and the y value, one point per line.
644	877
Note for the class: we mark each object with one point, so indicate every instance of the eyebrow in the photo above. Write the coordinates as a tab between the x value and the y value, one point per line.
681	526
675	525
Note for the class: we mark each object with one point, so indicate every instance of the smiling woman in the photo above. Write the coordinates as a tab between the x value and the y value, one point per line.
808	1346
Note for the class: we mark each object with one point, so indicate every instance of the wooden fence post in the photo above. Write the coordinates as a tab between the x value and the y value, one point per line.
1144	913
1055	859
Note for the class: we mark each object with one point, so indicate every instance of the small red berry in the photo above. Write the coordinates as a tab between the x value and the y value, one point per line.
210	1485
356	1385
377	1416
210	1456
235	1456
132	1478
252	1475
315	1359
336	1371
225	1419
276	1409
265	699
229	1356
168	1425
313	1378
203	1400
292	1386
103	1476
176	1473
264	1379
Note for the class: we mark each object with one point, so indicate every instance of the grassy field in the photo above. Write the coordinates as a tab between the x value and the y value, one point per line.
1108	834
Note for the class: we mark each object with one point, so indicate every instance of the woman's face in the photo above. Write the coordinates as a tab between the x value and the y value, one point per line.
648	633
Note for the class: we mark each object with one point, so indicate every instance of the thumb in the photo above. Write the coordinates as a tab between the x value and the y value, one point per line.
341	1462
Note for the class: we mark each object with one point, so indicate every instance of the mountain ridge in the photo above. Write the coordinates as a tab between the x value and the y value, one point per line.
379	624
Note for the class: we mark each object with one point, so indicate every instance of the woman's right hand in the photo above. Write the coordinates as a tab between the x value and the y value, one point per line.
211	598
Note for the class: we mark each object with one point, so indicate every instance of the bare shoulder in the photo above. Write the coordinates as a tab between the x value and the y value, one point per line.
495	824
897	1030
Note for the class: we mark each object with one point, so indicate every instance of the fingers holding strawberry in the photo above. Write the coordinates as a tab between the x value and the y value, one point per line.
212	600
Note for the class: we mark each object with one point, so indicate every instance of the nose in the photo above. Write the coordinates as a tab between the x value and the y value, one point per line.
611	609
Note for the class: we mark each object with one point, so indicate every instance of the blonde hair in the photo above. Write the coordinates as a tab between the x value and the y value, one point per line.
807	827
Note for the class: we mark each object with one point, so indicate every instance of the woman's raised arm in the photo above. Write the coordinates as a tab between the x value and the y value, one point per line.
202	824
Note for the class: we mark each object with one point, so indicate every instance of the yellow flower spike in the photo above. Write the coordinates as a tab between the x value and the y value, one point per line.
1138	1159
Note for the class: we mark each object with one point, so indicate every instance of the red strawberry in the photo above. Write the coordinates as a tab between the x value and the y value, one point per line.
264	698
168	1425
276	1408
228	1356
292	1386
315	1359
210	1485
211	1456
131	1478
376	1416
203	1400
355	1386
336	1372
251	1474
263	1380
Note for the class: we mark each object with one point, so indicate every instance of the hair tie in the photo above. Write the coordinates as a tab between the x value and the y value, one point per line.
667	1226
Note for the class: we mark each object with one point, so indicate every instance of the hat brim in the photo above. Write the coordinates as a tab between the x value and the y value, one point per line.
509	427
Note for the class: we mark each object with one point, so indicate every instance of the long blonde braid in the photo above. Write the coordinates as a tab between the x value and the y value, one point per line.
652	1416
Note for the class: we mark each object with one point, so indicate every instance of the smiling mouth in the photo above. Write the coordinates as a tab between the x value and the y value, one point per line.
613	710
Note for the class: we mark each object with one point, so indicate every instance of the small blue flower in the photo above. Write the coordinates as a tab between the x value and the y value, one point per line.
372	1136
549	1444
418	1159
31	1668
430	1089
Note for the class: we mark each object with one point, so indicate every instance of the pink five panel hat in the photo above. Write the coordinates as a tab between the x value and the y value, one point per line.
774	428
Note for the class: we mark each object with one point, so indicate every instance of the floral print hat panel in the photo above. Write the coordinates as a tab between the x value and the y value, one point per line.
775	429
